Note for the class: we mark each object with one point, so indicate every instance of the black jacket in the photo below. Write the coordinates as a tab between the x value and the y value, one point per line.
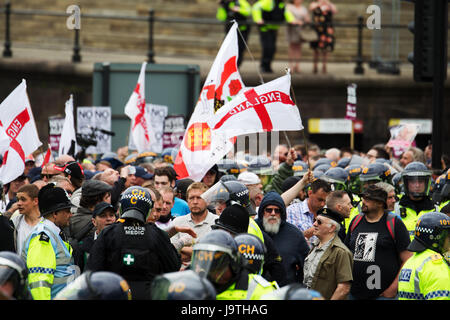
289	241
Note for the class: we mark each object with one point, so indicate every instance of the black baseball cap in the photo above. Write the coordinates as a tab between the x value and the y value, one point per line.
101	207
72	168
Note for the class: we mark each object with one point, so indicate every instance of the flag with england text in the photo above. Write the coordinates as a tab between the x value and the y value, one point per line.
267	107
140	120
16	119
68	140
201	148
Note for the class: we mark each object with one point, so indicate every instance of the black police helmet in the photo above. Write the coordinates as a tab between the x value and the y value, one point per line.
213	254
416	171
182	285
253	250
136	202
239	194
234	219
14	269
430	233
100	285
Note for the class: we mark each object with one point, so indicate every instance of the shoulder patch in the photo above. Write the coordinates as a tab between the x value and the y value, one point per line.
436	258
44	237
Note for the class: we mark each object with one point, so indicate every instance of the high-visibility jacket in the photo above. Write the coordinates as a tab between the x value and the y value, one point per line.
49	261
424	276
257	287
225	13
410	217
266	10
443	204
254	229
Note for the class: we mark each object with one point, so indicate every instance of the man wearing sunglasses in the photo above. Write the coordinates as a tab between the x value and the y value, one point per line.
328	267
288	239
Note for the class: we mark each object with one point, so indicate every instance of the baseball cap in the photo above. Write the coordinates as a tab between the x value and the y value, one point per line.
248	178
101	207
72	168
143	173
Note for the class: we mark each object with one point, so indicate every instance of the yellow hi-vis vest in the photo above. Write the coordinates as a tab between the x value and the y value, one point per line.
424	276
257	287
254	229
410	217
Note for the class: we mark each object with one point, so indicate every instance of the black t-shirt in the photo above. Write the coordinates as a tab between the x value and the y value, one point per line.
376	260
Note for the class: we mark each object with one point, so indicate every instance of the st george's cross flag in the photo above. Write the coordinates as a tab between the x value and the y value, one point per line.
201	148
68	140
16	119
265	108
136	111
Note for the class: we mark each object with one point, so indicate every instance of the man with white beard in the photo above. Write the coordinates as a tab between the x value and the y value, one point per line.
288	239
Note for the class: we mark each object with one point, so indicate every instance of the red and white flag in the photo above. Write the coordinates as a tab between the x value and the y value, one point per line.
201	148
265	108
136	111
17	120
47	157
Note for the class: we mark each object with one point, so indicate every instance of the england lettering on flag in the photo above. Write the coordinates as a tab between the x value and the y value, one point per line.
265	108
16	119
201	147
136	111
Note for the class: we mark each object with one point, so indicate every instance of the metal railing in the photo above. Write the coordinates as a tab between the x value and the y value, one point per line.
150	19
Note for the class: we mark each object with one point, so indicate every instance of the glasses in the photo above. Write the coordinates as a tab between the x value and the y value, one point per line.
48	176
270	210
319	222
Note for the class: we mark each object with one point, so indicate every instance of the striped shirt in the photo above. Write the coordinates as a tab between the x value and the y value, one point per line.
299	215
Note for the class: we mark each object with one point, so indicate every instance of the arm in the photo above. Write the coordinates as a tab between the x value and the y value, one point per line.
341	291
292	193
391	291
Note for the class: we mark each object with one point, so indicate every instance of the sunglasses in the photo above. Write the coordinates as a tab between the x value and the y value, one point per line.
270	210
319	222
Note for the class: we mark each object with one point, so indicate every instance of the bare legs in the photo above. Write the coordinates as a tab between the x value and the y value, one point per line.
295	54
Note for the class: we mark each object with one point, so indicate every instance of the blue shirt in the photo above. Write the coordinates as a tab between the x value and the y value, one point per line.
298	214
180	208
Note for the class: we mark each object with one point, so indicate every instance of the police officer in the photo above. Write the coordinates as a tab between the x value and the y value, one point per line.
133	249
238	10
99	285
216	257
426	275
13	277
253	251
47	252
416	201
182	285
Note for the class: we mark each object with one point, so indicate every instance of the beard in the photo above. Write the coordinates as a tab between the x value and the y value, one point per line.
270	226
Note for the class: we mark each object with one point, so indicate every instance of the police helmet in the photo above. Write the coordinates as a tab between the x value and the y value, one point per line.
100	285
169	155
344	162
445	192
237	193
14	269
300	168
213	254
322	161
182	285
337	177
136	202
374	173
322	168
261	165
397	182
225	165
354	183
252	250
228	177
416	179
431	232
436	189
145	157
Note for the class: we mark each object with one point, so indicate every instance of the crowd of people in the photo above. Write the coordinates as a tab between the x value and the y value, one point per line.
300	223
311	24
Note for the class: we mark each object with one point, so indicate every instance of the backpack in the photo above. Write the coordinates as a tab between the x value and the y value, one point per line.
390	223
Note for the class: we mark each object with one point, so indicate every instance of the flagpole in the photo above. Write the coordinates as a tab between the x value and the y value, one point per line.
352	136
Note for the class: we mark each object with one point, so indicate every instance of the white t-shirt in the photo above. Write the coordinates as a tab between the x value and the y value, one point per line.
23	230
